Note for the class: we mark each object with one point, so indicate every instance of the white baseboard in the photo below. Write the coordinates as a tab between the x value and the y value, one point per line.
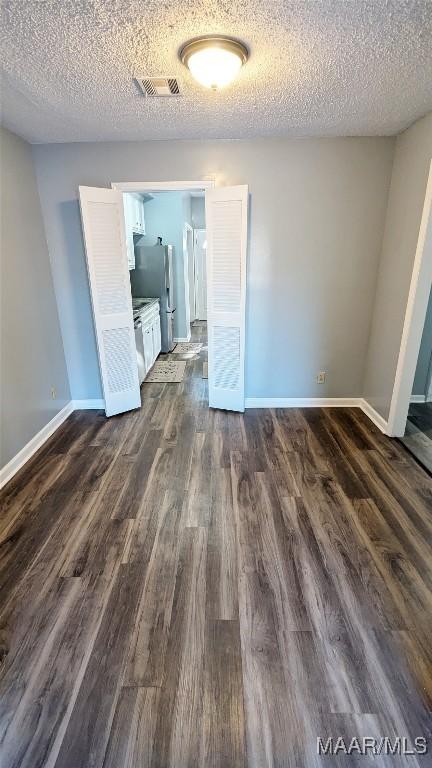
88	405
34	444
418	399
42	436
185	339
302	402
319	402
374	416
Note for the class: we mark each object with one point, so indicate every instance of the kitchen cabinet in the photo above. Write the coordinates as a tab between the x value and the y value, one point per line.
151	331
157	340
135	213
130	250
139	216
149	357
134	223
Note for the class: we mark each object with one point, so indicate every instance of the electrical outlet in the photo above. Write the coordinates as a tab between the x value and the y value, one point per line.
321	377
53	393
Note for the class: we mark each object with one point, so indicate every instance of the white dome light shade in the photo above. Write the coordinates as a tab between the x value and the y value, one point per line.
214	61
214	67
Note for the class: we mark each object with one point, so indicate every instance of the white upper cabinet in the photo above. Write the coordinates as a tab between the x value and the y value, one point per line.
135	223
139	216
129	231
135	207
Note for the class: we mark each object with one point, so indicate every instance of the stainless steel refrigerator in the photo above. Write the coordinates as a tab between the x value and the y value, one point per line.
153	278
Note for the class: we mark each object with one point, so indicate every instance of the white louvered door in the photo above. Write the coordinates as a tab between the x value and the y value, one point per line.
226	225
107	264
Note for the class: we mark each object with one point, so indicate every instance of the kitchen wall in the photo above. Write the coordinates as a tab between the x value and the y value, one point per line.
32	357
198	212
425	354
165	216
317	211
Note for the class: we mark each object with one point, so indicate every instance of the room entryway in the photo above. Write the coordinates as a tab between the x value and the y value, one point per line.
151	274
418	430
418	433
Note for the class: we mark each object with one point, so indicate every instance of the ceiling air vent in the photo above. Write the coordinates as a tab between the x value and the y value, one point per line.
159	86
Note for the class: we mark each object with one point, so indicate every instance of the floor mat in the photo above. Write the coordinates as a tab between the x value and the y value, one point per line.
183	347
167	372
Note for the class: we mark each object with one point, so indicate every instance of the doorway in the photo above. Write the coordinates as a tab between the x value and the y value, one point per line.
415	315
418	430
113	287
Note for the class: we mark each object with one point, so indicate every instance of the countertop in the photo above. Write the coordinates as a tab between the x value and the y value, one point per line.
142	307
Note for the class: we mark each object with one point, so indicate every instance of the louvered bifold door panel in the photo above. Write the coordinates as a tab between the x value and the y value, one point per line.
107	265
226	225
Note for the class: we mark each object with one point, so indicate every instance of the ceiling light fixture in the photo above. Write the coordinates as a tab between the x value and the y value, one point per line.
214	61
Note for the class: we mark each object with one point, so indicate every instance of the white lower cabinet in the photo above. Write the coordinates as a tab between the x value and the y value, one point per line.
151	337
148	346
157	340
130	250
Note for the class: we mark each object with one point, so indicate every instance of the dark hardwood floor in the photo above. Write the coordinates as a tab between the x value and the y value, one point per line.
182	587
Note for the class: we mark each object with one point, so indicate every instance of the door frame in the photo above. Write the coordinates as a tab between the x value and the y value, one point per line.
198	229
169	186
186	256
163	186
428	393
415	315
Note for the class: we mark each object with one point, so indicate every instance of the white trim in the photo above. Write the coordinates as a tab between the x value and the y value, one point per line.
302	402
374	416
319	402
162	186
22	457
414	320
199	185
186	255
418	399
428	395
185	339
196	232
88	405
48	430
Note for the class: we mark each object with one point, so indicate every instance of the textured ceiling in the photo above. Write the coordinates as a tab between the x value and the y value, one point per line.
317	68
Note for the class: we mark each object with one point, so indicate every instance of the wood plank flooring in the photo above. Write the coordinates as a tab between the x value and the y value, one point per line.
182	587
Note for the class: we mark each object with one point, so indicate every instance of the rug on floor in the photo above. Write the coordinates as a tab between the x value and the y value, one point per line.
166	371
186	346
205	371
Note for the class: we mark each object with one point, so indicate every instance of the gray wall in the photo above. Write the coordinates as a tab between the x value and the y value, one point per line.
425	354
408	185
32	358
317	210
165	216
